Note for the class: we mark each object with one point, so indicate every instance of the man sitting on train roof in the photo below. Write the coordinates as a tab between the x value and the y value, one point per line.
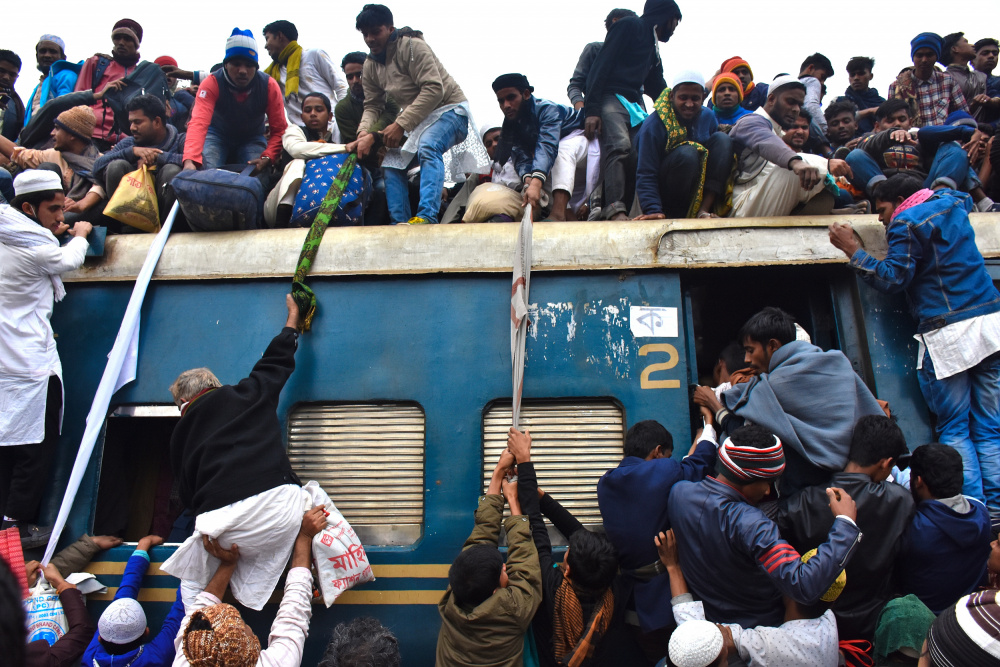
734	559
684	161
934	259
582	616
154	143
842	124
213	634
489	604
229	459
546	142
643	479
754	94
771	178
783	399
726	98
227	122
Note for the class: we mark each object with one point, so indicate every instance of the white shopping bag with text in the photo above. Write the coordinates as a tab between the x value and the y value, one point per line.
340	559
45	617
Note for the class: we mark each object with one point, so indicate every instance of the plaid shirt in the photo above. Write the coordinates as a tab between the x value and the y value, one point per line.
936	98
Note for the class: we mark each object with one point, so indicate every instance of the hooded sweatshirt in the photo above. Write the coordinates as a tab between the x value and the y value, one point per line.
945	550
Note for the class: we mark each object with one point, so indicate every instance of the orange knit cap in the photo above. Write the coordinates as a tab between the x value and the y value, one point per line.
734	62
727	77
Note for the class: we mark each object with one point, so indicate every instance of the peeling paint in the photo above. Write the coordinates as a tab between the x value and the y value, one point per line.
571	327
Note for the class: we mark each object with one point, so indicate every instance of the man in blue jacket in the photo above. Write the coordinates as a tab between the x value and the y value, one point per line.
684	161
945	549
58	75
544	139
733	557
633	501
934	259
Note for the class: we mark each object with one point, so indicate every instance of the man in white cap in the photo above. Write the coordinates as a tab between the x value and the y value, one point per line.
122	637
58	75
771	178
30	371
684	161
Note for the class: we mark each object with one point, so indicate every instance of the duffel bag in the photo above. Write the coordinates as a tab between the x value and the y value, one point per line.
217	200
316	182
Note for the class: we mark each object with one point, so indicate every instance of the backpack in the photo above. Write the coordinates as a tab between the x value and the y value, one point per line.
146	79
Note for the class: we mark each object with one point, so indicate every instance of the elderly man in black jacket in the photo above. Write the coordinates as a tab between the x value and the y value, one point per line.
229	458
884	512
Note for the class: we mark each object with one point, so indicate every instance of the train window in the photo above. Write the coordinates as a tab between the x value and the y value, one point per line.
573	443
370	458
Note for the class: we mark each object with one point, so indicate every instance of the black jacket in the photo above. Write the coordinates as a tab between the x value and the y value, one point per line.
228	445
628	63
884	512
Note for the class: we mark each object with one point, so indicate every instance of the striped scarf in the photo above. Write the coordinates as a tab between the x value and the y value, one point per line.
572	643
291	57
749	464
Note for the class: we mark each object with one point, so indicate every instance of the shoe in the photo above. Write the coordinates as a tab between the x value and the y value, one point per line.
995	208
417	221
33	536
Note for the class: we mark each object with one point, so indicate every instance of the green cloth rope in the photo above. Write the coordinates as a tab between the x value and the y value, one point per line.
304	297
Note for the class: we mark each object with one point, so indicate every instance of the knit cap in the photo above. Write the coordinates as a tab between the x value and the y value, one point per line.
752	464
78	121
728	77
241	44
735	62
54	40
226	643
695	644
36	180
926	40
130	29
967	633
122	622
166	60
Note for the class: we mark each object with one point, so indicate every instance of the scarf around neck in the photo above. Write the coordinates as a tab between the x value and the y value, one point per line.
19	231
918	197
291	58
573	642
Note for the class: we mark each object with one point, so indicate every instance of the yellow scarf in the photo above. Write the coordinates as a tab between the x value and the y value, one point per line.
291	57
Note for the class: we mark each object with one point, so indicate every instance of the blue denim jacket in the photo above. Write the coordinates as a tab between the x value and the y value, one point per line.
933	258
534	135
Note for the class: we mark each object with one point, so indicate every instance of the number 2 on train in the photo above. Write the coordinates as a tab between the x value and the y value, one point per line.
644	380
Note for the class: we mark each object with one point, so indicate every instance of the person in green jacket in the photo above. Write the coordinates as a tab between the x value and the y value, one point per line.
489	604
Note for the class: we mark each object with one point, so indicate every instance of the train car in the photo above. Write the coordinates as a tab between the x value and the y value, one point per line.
401	397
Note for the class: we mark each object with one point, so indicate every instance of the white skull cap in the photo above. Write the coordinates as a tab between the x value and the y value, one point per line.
122	622
695	644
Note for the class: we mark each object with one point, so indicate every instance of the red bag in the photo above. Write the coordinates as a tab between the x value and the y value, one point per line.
10	552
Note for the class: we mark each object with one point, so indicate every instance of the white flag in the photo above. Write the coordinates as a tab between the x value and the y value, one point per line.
519	309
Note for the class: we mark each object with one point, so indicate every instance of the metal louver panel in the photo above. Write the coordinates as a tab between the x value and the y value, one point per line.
573	444
370	459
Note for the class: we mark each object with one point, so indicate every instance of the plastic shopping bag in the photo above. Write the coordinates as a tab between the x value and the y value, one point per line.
45	617
340	559
134	202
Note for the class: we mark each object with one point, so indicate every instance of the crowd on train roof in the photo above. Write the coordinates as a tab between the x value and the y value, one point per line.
800	528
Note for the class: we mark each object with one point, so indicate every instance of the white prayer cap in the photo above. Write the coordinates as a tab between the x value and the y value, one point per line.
783	81
122	622
689	76
36	180
695	644
486	127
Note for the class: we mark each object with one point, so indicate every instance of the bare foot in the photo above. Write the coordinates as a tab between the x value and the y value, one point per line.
106	542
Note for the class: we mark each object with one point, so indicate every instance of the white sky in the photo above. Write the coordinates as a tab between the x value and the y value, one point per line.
476	41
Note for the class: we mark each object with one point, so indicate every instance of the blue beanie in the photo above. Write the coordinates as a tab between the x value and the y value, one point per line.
926	40
241	44
961	118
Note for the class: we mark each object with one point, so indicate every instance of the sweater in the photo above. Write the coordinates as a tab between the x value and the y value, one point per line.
172	147
578	82
349	111
204	109
628	63
66	651
757	141
228	444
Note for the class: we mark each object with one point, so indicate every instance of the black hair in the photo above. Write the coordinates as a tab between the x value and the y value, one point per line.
876	437
946	44
322	97
617	14
889	107
475	574
7	56
592	560
941	468
353	58
767	324
804	113
751	435
985	41
645	436
898	186
286	28
842	105
36	199
364	642
150	105
122	649
860	64
372	16
733	356
13	635
819	61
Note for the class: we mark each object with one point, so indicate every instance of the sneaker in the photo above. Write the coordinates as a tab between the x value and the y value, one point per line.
33	536
417	221
995	208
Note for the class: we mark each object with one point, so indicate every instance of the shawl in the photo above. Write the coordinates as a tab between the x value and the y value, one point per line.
291	57
19	231
572	642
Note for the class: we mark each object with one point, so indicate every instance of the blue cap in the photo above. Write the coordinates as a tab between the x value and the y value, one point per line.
926	40
241	44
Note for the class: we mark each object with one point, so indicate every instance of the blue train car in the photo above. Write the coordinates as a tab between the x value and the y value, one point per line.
400	400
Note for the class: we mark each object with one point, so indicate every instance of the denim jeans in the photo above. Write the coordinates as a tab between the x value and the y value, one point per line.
6	187
450	130
967	407
950	167
219	151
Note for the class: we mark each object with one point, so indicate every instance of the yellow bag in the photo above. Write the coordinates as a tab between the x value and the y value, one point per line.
134	202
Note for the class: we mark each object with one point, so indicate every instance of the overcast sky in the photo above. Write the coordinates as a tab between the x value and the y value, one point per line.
476	41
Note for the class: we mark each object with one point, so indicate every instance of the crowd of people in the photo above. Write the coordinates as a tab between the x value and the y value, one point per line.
800	528
722	146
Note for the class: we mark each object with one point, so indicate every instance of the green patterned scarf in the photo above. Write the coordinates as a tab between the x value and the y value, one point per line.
304	297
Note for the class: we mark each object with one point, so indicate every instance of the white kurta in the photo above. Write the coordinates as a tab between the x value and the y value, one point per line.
301	150
317	74
28	355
